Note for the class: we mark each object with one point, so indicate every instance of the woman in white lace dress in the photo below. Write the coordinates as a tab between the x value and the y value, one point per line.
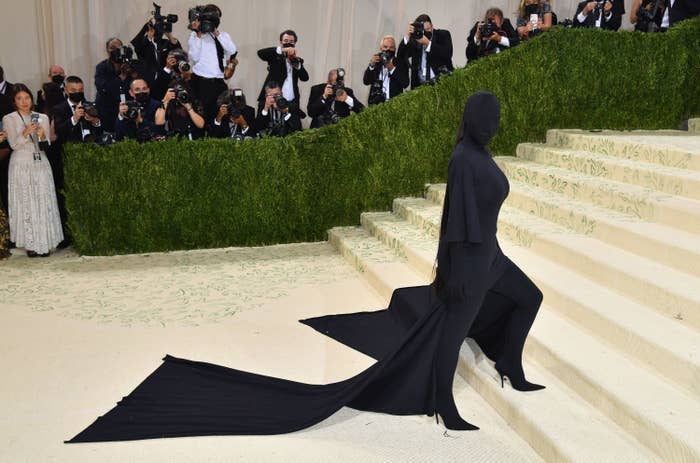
35	224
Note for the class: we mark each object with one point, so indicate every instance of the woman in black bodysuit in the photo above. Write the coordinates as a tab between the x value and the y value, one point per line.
477	292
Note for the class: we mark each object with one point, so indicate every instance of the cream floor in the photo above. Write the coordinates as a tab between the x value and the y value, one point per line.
78	333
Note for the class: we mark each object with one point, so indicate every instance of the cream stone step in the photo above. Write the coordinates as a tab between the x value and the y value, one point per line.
654	340
676	248
669	291
671	180
642	403
671	148
675	211
555	422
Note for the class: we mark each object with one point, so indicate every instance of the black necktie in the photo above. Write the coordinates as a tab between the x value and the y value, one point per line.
219	53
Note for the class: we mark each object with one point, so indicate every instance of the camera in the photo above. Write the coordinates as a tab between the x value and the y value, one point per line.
90	108
281	103
122	55
645	17
162	24
488	28
386	56
376	93
235	107
133	109
418	30
181	94
208	20
339	85
183	66
294	60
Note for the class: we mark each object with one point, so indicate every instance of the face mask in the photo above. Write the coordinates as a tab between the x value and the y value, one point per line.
76	97
532	9
57	79
142	97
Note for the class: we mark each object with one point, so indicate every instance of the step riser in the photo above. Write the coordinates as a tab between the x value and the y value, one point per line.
657	438
623	149
601	168
679	258
619	201
678	370
694	125
642	291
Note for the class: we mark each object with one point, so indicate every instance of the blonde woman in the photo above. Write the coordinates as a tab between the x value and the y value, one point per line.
534	16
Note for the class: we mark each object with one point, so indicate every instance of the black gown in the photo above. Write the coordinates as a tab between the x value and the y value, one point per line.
479	292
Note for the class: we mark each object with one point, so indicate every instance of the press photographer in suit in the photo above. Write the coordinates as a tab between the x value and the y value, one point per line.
235	118
51	92
286	67
113	77
605	14
386	74
276	116
137	116
494	34
428	49
331	101
152	47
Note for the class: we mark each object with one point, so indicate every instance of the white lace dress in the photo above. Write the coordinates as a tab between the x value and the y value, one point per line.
35	223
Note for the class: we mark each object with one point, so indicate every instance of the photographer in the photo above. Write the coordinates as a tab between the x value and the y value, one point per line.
604	14
51	92
177	67
208	48
492	35
235	118
284	66
75	119
276	117
180	113
112	79
534	17
650	15
137	116
428	49
150	45
387	75
331	101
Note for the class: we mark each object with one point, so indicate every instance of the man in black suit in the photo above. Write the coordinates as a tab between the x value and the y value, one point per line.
332	100
113	77
235	118
286	67
152	50
683	9
276	116
141	127
494	34
6	107
429	52
605	14
387	75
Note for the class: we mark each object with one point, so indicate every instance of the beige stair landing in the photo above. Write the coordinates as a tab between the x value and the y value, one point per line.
608	225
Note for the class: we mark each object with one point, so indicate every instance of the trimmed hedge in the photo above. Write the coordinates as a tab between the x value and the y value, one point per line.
173	194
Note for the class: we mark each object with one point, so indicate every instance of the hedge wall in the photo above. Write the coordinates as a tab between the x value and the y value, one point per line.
171	195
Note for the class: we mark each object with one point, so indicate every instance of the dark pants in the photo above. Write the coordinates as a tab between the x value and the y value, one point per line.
207	91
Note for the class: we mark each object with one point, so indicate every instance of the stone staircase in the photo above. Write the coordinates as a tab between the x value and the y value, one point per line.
608	225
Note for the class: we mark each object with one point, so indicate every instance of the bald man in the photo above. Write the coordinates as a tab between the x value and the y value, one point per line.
51	92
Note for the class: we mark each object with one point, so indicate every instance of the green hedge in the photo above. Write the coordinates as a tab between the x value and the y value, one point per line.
180	195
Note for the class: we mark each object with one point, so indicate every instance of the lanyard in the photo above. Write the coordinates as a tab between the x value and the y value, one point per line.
35	141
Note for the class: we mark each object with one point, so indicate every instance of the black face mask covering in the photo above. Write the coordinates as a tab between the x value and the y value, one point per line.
76	97
142	97
57	79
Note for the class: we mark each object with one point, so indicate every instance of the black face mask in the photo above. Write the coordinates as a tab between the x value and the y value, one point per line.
57	79
532	9
76	97
142	97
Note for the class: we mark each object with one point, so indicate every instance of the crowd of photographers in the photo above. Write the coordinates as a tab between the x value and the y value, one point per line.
155	89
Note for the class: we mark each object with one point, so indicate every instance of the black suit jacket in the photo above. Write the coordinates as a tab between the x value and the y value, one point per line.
66	131
263	124
683	9
317	106
223	130
109	86
6	106
152	57
128	129
277	71
398	80
475	51
440	54
612	24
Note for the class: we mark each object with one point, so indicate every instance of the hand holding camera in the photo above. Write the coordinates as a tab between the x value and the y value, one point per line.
328	91
168	97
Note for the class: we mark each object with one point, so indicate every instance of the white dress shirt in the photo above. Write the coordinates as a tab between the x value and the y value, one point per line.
202	51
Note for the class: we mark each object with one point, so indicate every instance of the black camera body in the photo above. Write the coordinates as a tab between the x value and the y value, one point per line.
133	110
418	30
162	24
294	60
339	85
90	108
386	57
281	103
646	18
122	55
488	28
181	94
208	20
235	107
376	93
